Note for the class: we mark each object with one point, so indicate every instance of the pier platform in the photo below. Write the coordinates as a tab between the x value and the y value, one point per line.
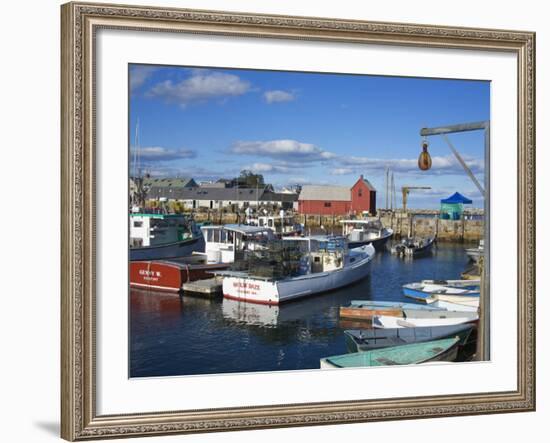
210	288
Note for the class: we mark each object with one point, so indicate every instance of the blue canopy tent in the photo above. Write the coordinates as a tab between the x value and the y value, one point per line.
453	206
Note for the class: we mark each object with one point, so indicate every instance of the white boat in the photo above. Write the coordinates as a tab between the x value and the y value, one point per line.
325	264
366	231
456	299
455	306
387	322
476	253
227	243
163	236
282	225
413	247
464	284
422	291
437	313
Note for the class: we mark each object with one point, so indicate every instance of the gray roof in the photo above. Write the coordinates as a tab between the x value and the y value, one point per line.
223	194
180	182
368	183
332	193
279	196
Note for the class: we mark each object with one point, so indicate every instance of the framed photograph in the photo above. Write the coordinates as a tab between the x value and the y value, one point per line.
277	221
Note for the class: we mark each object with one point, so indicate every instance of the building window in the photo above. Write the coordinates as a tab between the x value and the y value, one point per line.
328	204
360	193
138	224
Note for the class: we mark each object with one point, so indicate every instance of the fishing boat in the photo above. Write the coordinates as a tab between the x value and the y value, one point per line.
304	266
366	231
283	225
170	275
415	353
228	243
474	254
362	340
163	236
365	309
412	247
422	291
387	322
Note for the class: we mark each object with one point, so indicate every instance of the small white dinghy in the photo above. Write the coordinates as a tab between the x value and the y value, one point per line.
455	299
387	322
416	314
449	306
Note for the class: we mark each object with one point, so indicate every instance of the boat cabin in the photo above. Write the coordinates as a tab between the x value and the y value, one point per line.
159	229
284	225
227	243
321	253
362	230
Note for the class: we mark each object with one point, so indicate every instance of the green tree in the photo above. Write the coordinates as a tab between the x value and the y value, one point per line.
249	179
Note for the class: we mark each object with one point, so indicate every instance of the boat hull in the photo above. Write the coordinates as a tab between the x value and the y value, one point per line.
379	244
420	295
256	290
410	251
457	299
168	251
387	322
364	310
167	276
367	313
415	353
370	339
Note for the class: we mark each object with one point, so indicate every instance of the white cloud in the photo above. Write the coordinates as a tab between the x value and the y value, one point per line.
440	165
139	75
278	96
159	154
201	86
274	168
198	173
342	171
282	149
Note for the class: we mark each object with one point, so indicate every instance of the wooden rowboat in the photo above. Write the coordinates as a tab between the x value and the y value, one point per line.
362	340
416	353
456	299
410	314
384	321
365	309
421	291
449	306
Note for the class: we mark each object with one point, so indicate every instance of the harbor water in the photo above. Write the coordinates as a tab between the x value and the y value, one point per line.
183	335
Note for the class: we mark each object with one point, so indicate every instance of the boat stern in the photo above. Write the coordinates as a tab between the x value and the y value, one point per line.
251	290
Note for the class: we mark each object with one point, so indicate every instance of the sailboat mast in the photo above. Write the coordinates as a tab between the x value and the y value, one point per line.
137	153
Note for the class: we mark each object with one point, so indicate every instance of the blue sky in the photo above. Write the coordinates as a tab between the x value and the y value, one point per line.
306	128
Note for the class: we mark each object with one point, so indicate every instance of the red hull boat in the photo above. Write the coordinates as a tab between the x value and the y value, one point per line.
170	275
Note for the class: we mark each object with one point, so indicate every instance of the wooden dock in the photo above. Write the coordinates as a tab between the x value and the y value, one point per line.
210	288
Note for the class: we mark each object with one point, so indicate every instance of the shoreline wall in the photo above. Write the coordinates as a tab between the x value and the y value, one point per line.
421	223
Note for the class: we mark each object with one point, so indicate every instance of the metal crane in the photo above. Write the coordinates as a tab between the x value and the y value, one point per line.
405	191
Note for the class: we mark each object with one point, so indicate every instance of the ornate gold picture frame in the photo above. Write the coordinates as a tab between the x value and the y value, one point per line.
80	22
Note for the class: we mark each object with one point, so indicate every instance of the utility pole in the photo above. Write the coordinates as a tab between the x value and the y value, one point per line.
483	343
392	193
387	185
